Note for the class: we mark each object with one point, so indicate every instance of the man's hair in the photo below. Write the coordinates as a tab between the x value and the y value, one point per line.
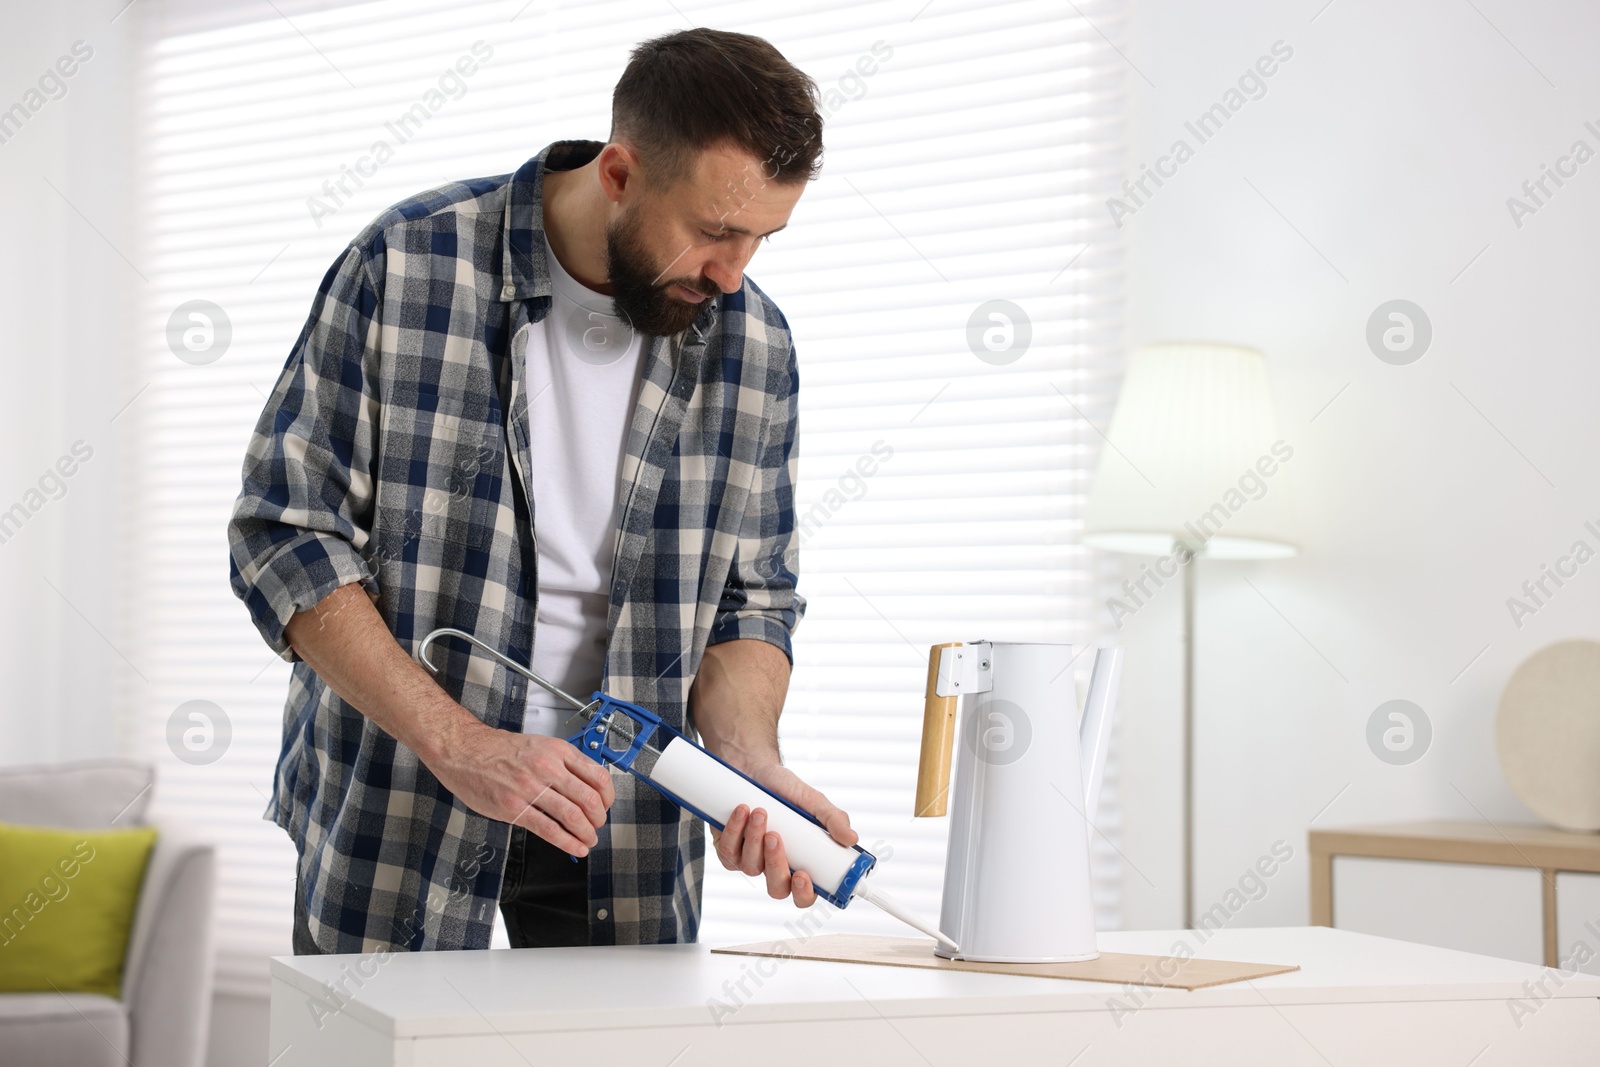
700	88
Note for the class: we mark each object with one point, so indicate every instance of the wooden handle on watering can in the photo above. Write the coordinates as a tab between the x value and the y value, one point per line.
938	741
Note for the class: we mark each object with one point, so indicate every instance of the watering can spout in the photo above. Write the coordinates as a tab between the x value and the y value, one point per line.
1094	728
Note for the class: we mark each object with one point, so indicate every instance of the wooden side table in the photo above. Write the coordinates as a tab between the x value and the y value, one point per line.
1542	848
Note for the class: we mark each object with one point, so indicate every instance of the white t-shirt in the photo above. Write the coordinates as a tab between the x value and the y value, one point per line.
582	373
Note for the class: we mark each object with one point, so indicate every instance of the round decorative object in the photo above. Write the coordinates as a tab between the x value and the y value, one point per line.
1547	733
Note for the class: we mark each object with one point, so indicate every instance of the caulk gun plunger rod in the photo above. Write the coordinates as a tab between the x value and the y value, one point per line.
504	661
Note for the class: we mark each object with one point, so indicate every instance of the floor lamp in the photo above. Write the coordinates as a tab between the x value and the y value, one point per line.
1190	469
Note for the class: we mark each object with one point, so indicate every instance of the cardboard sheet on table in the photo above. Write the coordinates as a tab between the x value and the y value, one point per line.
1117	967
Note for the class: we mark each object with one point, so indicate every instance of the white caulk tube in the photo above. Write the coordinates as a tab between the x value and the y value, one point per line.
712	788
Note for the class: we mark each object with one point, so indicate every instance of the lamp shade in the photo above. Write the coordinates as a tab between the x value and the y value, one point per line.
1194	456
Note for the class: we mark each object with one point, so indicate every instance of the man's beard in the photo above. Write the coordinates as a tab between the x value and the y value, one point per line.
645	305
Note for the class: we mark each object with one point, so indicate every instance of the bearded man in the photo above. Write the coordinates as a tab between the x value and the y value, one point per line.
549	409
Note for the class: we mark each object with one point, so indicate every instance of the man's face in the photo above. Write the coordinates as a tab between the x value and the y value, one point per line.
668	250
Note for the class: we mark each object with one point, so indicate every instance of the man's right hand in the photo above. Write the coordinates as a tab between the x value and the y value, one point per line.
543	784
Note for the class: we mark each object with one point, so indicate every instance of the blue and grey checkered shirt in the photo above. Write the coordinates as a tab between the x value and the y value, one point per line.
394	452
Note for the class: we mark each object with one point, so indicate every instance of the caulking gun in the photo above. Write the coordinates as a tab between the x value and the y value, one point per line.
636	740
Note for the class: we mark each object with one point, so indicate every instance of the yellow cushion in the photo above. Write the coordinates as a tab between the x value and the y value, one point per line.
67	899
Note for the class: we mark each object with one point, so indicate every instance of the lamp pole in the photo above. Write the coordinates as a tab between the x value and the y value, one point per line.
1188	740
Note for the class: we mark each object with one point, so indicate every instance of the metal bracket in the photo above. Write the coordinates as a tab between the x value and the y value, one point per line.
965	668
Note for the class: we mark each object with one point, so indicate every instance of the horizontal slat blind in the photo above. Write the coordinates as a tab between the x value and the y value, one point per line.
971	165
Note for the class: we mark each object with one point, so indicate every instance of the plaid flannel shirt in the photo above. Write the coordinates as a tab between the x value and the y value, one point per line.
394	452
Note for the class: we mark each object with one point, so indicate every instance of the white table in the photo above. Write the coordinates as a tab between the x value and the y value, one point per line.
1357	1000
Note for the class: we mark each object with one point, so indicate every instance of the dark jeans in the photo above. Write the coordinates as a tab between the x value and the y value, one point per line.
303	945
544	899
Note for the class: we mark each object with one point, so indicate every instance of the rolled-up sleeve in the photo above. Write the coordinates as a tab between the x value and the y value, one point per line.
760	598
304	511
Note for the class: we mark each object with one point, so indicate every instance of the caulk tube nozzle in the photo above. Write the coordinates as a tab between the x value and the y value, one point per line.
866	891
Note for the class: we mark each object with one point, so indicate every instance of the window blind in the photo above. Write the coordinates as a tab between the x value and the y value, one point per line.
945	453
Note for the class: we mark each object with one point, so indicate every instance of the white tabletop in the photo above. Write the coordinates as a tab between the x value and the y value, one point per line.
529	990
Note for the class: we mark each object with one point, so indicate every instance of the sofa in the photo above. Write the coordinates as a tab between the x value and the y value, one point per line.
164	1011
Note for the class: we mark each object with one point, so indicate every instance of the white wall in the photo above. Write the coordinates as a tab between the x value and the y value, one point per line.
1390	141
64	293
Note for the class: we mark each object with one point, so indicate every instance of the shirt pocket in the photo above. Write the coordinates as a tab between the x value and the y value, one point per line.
442	473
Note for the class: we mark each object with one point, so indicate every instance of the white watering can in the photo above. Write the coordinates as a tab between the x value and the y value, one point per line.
1016	877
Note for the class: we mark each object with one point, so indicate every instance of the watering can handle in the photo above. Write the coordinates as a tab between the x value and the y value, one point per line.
938	741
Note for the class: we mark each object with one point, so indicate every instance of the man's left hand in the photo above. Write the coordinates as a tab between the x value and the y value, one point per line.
746	844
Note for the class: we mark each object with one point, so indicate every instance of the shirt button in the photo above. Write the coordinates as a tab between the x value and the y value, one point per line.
601	914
